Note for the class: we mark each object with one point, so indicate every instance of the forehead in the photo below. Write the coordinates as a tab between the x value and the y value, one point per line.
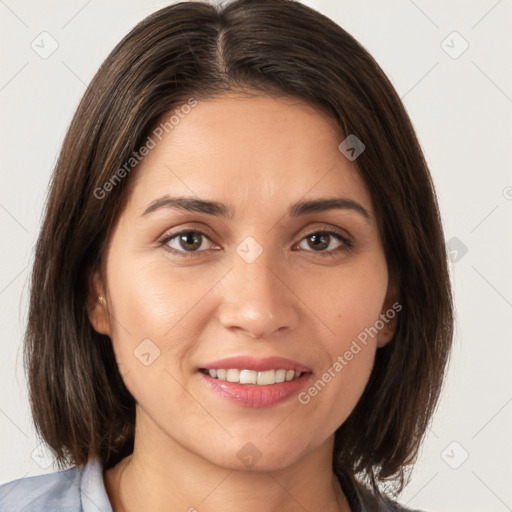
248	148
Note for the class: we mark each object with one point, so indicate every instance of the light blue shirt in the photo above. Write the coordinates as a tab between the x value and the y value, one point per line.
82	489
78	489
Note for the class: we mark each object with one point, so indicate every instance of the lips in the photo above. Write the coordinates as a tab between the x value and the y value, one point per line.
252	382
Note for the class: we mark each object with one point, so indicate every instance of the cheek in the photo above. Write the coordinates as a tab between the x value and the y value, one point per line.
338	386
151	331
149	298
348	307
156	310
347	301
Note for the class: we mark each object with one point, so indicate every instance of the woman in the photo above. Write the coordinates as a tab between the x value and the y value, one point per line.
240	296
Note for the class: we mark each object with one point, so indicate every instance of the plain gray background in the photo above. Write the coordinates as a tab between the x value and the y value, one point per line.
460	101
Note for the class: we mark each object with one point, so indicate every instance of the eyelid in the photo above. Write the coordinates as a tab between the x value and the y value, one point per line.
323	227
202	228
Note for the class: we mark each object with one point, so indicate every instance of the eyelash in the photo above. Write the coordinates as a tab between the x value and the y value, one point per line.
346	247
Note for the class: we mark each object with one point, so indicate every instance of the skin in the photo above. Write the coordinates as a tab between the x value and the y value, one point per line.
258	155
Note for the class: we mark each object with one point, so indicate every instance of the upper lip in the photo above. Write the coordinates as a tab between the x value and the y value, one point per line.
257	364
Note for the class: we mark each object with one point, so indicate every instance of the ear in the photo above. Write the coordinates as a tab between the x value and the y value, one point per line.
98	309
389	316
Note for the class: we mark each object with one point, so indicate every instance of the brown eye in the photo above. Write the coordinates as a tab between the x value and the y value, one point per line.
320	241
186	242
190	241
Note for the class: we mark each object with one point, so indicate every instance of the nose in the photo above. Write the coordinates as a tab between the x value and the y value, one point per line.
258	299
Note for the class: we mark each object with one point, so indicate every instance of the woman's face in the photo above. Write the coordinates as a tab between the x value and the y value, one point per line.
256	278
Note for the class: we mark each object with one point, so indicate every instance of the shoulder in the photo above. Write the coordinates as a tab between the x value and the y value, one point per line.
362	499
370	502
53	491
78	489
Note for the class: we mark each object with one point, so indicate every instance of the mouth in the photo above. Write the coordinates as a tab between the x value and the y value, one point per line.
254	382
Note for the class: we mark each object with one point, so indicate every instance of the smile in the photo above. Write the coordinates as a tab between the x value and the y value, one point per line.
263	378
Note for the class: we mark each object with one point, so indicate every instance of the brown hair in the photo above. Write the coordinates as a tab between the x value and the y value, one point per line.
80	405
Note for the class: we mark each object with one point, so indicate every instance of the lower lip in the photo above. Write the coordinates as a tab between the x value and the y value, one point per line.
252	395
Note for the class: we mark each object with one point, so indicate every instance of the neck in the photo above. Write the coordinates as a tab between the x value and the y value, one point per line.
164	476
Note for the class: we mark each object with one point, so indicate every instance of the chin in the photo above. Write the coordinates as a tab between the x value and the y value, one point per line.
257	456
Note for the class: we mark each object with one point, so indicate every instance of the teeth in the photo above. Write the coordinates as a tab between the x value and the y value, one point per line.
233	375
248	377
252	377
280	375
266	378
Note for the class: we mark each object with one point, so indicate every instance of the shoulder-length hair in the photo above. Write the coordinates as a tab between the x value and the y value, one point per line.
281	48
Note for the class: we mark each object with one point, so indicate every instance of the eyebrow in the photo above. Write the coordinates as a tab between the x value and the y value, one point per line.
222	210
